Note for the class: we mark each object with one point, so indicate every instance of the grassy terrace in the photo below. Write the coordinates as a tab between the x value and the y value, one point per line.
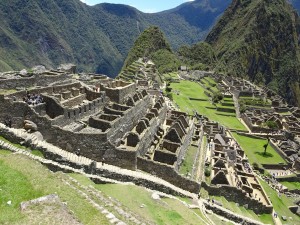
164	211
173	75
265	218
34	152
207	81
291	185
23	179
254	150
281	205
187	165
188	89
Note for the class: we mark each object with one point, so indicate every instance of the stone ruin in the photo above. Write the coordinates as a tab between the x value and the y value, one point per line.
231	173
102	119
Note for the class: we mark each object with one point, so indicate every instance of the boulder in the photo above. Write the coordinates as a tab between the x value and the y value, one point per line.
23	73
69	68
29	125
284	218
39	69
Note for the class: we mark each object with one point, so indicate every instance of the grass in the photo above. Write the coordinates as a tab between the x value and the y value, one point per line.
14	144
164	211
4	152
232	206
206	81
7	92
291	185
281	204
173	75
254	149
187	165
37	153
189	89
34	152
23	179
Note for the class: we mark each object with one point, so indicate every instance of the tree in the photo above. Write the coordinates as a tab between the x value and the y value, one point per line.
272	125
217	97
266	146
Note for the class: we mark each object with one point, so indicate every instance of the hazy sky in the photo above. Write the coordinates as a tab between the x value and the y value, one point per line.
143	5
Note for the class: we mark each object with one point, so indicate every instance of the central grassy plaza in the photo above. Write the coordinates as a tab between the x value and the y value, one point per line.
185	91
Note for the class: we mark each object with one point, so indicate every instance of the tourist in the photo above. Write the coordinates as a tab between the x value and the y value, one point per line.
9	123
77	152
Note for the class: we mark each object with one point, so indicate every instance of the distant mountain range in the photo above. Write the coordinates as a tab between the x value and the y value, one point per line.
259	40
96	38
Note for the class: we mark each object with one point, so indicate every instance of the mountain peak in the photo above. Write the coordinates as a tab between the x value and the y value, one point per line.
258	39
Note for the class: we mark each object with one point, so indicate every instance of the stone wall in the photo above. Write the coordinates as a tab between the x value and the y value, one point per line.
231	216
254	129
150	132
288	179
169	174
74	114
129	120
239	196
17	83
119	94
92	145
36	80
278	150
185	144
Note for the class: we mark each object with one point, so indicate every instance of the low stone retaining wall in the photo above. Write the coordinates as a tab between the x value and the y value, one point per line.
231	216
239	196
288	179
169	174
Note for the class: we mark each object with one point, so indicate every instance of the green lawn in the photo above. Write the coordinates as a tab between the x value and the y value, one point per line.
187	165
23	179
281	205
291	185
189	89
164	211
254	149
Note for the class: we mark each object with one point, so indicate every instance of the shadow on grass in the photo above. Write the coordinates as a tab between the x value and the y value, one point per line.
210	107
221	114
265	155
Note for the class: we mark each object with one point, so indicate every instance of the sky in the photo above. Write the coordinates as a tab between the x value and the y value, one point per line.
149	6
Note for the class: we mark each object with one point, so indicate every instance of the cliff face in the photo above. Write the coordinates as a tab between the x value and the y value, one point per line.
259	39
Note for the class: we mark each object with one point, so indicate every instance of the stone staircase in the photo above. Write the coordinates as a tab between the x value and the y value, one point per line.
83	161
97	198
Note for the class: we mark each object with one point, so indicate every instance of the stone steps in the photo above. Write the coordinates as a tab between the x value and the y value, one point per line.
107	201
110	217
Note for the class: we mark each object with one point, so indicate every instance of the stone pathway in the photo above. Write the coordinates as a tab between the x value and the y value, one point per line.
236	106
80	160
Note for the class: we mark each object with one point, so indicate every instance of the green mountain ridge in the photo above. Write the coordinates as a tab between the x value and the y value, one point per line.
96	38
258	40
150	56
